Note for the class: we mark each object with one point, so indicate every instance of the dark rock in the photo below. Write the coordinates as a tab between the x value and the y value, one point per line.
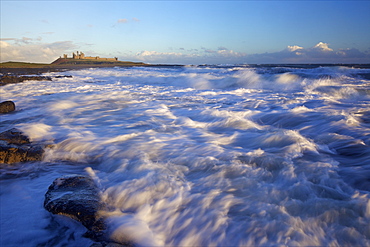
63	76
8	79
7	106
78	197
16	147
14	136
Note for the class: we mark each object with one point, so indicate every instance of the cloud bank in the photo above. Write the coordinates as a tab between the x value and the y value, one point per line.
34	50
319	53
192	56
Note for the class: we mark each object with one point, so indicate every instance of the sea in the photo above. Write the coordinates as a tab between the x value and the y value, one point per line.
207	155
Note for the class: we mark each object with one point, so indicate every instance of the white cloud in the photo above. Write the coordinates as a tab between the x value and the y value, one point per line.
294	48
221	53
164	57
4	44
122	21
319	53
323	47
230	53
27	50
191	56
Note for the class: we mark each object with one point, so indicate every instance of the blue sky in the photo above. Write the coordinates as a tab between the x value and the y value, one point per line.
188	32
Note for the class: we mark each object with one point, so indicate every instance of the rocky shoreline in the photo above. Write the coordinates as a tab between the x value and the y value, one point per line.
16	147
17	75
72	195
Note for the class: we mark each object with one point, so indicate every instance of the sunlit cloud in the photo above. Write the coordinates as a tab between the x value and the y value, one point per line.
322	47
294	48
319	53
28	50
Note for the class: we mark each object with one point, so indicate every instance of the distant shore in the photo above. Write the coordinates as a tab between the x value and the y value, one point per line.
20	68
16	72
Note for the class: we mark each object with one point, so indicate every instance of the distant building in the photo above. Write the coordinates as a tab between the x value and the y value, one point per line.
81	55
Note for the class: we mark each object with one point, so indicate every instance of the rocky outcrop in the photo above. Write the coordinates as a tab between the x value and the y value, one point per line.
7	79
16	147
7	106
10	79
78	197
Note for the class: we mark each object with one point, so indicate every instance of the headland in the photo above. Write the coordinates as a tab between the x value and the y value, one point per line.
63	63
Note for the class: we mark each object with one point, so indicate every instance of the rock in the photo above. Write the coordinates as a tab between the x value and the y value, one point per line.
63	76
8	79
77	197
16	147
7	106
14	136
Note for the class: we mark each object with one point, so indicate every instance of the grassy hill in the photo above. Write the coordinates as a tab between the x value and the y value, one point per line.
69	63
92	63
61	64
23	65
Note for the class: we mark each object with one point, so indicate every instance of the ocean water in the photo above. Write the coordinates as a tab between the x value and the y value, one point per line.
197	155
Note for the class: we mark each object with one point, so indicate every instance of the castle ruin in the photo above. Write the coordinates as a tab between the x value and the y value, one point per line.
81	55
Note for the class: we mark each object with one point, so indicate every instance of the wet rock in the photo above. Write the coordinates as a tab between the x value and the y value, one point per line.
63	76
77	197
7	106
9	79
14	136
16	147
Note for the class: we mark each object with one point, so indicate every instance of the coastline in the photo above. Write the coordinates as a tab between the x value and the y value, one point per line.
18	68
17	72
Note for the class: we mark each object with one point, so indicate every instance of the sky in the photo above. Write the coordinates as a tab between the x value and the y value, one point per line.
187	32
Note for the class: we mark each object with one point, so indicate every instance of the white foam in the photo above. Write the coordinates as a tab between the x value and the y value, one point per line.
63	105
203	156
37	131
